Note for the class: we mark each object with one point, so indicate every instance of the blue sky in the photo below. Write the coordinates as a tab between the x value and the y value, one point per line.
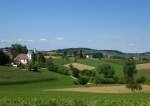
101	24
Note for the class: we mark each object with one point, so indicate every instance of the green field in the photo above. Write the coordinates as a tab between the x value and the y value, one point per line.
55	80
11	75
74	99
35	92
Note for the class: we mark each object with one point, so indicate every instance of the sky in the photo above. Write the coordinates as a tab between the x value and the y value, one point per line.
54	24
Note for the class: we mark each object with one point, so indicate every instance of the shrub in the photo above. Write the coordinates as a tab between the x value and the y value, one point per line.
83	80
4	59
134	86
141	80
63	70
76	82
22	66
121	81
107	71
74	71
98	79
108	81
51	66
87	73
33	66
116	79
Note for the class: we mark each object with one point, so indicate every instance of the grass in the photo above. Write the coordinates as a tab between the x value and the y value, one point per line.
118	67
97	63
16	75
11	75
62	61
36	94
74	99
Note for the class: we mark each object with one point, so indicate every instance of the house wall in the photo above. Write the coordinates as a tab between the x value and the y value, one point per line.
29	56
24	61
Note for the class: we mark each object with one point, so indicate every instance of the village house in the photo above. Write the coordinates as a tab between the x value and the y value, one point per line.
23	58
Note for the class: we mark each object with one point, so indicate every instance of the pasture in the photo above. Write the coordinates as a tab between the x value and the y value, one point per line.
59	90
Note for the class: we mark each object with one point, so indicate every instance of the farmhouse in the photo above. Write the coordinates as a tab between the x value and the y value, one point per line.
23	58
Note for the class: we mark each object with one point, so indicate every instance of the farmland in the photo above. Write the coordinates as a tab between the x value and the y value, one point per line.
75	99
145	67
116	64
54	90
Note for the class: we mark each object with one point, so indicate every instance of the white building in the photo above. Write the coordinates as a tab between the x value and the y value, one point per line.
23	58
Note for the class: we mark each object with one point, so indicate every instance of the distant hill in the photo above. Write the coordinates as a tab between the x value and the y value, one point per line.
105	52
88	50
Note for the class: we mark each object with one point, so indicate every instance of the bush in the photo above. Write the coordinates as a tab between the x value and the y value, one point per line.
116	79
107	71
121	81
76	82
74	71
83	80
4	59
87	73
51	66
63	70
134	86
33	66
141	80
108	81
22	66
55	68
98	79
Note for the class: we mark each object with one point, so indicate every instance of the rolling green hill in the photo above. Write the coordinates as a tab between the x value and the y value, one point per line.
24	80
37	94
11	75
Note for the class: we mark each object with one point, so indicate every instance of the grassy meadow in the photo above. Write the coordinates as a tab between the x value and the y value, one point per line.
24	88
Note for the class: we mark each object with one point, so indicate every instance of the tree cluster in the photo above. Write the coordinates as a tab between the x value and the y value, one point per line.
17	49
4	59
38	61
51	66
130	71
105	75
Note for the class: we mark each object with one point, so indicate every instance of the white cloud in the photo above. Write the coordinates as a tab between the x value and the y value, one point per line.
59	38
5	41
30	40
43	39
19	40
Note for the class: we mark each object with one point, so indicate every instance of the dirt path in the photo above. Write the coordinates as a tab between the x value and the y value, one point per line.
104	89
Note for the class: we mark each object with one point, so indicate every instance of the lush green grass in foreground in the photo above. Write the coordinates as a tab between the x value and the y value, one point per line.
36	94
74	99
